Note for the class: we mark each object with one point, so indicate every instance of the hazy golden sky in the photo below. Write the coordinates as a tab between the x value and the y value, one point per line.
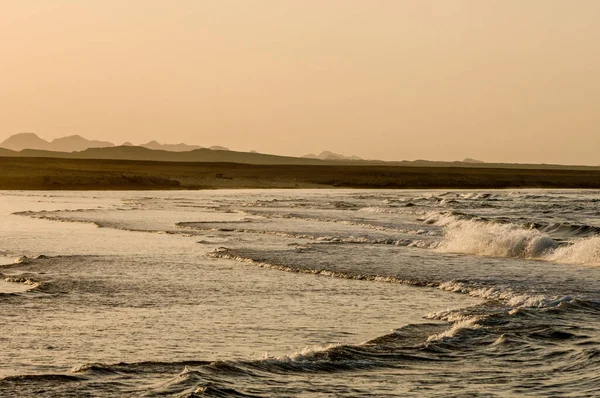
506	80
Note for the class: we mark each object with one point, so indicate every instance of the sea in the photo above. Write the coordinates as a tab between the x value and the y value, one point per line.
300	293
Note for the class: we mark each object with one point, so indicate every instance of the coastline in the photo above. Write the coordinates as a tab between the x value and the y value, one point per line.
98	174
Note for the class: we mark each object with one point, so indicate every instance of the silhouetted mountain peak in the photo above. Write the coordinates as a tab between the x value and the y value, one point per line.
33	136
471	160
72	143
310	156
75	143
75	137
22	141
218	148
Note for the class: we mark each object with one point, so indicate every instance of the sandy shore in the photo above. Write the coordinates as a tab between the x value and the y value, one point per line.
76	174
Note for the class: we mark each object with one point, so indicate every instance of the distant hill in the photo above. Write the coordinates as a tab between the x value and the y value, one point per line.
8	153
37	147
471	160
328	155
72	143
169	147
22	141
77	143
141	153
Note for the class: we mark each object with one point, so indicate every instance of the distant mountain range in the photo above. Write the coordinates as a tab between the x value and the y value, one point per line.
137	153
72	143
76	147
76	143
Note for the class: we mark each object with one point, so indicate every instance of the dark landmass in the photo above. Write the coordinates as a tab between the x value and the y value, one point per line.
167	147
98	174
154	151
176	147
213	155
141	153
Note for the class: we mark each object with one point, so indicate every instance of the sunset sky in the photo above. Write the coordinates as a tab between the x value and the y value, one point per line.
509	81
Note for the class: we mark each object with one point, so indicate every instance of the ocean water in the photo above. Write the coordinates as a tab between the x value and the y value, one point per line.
307	293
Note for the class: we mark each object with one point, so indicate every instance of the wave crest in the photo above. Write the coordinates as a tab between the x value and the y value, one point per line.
486	238
585	251
493	239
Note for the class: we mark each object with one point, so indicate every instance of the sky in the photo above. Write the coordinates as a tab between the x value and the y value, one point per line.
499	81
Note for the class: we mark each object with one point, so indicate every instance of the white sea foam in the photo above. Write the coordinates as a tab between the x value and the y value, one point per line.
585	251
477	195
502	293
15	284
379	209
360	224
305	354
539	301
472	236
500	240
489	293
457	328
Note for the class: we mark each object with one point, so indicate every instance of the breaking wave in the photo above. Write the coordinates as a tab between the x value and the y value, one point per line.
225	253
499	293
585	252
488	238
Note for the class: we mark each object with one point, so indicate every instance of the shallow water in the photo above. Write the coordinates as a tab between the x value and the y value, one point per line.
300	293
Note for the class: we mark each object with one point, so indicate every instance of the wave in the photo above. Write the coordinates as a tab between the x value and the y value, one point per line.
477	195
422	347
457	330
506	295
401	348
493	239
385	209
19	279
360	224
488	238
225	253
585	252
38	378
567	230
133	367
329	357
299	235
17	284
54	216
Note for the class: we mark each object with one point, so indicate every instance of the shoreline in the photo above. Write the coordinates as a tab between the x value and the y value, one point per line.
98	174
